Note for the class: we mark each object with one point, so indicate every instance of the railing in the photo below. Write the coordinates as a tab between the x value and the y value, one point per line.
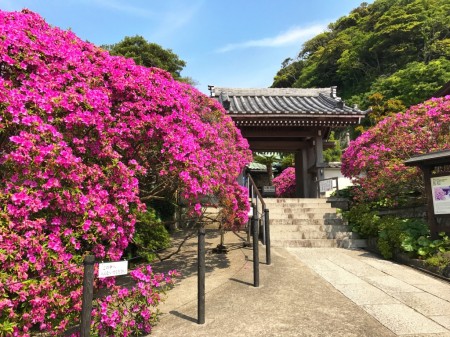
260	214
325	185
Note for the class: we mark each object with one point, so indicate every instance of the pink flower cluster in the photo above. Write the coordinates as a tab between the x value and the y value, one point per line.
285	183
131	311
376	159
84	136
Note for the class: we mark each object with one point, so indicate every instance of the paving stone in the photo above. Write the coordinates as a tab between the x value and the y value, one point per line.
391	285
402	320
442	320
425	303
363	293
441	289
355	266
403	273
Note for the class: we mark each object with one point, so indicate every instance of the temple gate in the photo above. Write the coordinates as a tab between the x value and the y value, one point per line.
290	120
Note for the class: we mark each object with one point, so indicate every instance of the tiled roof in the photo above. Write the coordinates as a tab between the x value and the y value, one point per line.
437	157
286	101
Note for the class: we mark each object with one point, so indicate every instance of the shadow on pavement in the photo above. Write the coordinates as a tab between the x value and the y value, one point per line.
185	261
183	316
240	281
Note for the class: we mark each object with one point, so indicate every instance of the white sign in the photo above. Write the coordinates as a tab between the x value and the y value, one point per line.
268	189
325	185
440	188
112	269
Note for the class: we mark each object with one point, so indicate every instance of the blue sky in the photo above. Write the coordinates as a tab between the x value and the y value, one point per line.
234	43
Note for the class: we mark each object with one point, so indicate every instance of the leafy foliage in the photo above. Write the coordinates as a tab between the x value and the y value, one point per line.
333	154
399	234
400	48
363	219
147	54
150	236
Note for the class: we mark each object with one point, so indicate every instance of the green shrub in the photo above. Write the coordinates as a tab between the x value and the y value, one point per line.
397	234
165	208
150	235
440	260
427	248
362	220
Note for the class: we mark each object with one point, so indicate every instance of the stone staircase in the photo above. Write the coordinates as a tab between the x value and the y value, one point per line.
308	223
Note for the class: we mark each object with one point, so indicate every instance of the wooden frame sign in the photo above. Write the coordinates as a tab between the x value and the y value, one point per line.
440	188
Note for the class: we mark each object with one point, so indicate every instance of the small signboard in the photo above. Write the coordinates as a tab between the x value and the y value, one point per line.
440	188
268	191
112	269
325	185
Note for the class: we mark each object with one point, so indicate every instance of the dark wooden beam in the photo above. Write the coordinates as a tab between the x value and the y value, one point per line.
279	145
274	132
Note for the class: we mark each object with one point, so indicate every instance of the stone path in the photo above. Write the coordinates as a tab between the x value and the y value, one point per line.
305	292
404	300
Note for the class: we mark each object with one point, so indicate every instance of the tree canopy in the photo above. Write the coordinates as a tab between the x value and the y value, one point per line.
399	48
147	54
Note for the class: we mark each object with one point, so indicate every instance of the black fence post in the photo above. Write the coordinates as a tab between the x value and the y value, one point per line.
201	275
255	227
88	293
267	228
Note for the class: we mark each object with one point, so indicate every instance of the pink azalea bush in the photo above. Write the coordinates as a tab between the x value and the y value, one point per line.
285	183
375	160
85	138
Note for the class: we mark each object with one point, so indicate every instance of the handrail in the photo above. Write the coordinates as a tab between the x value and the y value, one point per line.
250	179
256	220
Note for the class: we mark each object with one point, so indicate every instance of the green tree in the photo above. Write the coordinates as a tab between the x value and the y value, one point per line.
267	159
333	154
148	54
416	82
399	48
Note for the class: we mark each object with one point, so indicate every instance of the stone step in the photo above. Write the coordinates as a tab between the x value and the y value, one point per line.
308	228
321	243
300	216
352	243
310	235
297	206
316	210
313	243
294	200
313	222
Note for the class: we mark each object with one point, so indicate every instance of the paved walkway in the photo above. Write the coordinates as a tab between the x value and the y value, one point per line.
305	292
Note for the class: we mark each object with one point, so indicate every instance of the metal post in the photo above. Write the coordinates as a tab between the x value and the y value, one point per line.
337	187
266	219
247	243
88	293
255	249
201	275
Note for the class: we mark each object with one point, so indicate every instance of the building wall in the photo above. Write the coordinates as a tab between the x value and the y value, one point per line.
336	172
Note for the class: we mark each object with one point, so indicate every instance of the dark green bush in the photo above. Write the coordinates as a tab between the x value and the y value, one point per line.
362	220
397	234
165	208
150	235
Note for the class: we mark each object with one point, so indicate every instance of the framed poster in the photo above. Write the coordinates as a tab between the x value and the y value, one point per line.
440	188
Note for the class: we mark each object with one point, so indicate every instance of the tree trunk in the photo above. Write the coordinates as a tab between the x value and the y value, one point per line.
270	173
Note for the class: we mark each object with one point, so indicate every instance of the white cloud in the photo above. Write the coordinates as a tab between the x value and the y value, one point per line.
294	35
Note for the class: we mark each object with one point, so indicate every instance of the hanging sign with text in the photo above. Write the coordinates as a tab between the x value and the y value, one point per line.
326	185
112	269
440	188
